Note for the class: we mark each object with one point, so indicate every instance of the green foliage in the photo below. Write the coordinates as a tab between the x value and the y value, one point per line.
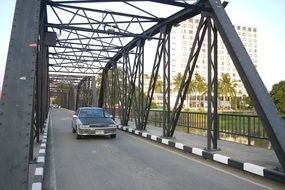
177	81
154	105
227	88
200	84
278	96
57	101
197	83
248	102
159	86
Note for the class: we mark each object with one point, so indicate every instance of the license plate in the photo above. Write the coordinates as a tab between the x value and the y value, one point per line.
99	132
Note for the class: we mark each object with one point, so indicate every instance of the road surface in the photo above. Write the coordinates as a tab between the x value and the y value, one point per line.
132	163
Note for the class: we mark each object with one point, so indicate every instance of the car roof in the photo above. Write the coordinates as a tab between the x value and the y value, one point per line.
90	108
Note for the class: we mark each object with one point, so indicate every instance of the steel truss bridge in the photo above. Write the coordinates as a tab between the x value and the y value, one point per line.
67	43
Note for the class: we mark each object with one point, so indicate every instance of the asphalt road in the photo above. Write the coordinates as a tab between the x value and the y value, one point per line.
132	163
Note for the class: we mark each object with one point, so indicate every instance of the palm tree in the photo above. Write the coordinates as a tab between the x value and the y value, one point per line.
201	85
227	86
177	81
159	85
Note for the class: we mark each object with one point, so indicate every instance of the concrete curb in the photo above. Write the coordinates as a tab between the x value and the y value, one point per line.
248	167
39	172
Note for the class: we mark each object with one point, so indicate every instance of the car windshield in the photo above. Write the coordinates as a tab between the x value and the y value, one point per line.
91	113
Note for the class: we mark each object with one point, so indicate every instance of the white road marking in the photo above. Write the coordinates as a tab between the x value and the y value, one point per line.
221	158
37	186
144	135
153	137
165	141
258	170
179	145
197	151
200	162
39	171
53	175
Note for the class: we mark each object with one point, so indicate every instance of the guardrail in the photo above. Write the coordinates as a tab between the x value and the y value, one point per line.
234	124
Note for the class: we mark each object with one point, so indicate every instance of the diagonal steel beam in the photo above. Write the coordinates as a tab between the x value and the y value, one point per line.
271	120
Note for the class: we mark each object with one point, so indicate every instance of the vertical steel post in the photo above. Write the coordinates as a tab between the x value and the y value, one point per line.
18	94
154	75
113	96
212	116
102	88
209	115
215	89
94	96
166	85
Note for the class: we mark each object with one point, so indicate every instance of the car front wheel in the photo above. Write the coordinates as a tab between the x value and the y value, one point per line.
113	136
78	136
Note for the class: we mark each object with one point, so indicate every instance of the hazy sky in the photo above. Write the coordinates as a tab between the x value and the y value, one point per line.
267	15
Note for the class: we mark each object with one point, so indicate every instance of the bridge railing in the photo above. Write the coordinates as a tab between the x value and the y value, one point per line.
248	126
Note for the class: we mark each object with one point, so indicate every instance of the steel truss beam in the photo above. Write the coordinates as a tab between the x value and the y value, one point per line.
171	20
166	84
84	93
212	120
188	73
16	118
136	94
268	114
154	75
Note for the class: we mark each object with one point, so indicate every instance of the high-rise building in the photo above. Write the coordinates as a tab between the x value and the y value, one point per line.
182	38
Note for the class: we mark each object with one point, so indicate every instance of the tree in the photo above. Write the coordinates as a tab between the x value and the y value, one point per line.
200	84
278	96
177	81
227	86
159	85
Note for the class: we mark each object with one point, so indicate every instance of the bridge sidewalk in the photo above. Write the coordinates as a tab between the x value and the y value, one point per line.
243	153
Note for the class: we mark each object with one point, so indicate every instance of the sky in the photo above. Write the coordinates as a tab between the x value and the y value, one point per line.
266	15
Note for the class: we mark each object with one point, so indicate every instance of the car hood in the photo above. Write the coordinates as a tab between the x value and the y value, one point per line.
96	121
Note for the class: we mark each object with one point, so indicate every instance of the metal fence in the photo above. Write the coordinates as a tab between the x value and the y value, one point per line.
248	126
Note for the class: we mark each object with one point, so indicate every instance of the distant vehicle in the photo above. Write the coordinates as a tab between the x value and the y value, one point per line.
93	121
54	106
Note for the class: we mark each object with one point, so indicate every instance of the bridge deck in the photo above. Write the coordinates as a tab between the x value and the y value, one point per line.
244	153
128	162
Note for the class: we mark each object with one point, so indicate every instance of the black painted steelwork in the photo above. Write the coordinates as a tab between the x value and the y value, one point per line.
263	103
154	75
212	120
67	42
188	73
18	95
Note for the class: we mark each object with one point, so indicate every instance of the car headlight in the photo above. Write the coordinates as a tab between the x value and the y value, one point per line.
112	125
83	126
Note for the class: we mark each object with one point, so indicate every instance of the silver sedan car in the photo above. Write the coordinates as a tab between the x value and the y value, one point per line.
93	121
